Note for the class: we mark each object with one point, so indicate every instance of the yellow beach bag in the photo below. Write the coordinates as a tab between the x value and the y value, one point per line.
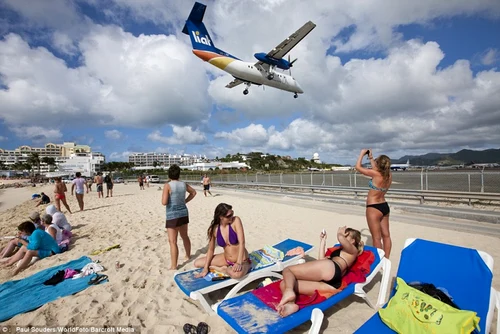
413	311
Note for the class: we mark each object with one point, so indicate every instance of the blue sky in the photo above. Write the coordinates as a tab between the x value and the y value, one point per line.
119	75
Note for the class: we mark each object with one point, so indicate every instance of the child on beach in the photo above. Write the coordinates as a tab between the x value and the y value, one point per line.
58	218
43	200
227	230
60	194
40	244
321	274
52	229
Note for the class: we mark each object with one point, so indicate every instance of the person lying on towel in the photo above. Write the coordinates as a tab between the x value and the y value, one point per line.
40	244
227	230
323	274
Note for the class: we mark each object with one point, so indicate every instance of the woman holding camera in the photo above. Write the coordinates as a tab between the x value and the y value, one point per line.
377	209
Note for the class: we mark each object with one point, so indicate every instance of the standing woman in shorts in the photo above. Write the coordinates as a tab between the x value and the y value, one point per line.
174	197
377	209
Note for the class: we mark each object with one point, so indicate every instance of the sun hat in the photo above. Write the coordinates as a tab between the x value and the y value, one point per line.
34	215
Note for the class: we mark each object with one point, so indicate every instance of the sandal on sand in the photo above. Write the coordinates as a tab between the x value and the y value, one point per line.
202	328
189	329
98	279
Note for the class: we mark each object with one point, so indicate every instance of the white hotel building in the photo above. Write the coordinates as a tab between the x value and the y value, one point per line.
69	158
149	160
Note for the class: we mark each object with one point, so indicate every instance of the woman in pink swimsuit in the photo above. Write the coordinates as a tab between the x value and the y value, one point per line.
227	230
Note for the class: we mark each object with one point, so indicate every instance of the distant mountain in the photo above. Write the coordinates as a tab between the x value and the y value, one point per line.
458	158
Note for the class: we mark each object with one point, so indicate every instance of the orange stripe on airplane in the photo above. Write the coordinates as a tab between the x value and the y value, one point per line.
214	58
205	55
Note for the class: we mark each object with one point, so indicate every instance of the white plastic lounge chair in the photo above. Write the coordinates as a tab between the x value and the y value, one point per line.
198	288
248	314
466	274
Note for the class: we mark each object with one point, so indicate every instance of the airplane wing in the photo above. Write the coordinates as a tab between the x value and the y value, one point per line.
284	47
234	83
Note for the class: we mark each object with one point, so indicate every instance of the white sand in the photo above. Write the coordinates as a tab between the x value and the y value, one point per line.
142	292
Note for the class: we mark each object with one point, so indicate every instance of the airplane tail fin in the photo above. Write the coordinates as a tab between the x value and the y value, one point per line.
194	27
408	162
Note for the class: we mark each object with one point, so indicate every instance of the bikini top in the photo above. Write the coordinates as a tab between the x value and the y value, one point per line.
233	237
374	187
336	253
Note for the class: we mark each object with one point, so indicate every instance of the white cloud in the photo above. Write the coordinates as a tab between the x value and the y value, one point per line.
125	80
2	138
119	156
113	134
404	100
250	136
182	135
490	57
37	134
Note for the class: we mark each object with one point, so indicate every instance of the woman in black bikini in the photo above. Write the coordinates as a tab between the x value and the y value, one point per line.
323	274
377	209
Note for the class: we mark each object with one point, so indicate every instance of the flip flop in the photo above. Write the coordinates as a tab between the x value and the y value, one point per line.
98	279
189	329
202	328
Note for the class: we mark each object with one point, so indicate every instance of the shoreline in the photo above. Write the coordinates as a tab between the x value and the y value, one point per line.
142	292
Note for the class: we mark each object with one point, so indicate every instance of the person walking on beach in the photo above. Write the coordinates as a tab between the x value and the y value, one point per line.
108	179
206	185
80	184
89	183
226	230
98	181
60	196
377	209
175	200
140	179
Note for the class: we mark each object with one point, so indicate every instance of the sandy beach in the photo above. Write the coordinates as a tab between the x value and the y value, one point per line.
142	292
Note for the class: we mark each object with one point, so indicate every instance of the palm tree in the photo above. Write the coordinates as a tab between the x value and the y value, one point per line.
49	161
34	160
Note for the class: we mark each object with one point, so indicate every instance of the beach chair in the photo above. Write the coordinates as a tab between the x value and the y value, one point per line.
248	314
465	273
198	288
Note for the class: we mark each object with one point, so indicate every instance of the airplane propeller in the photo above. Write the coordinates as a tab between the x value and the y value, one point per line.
290	63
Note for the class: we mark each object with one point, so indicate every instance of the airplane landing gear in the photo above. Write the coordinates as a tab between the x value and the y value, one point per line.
270	76
248	84
295	95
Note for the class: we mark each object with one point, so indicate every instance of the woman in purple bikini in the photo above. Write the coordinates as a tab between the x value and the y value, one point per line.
226	230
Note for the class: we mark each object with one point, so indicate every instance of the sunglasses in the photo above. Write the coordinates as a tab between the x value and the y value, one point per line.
229	215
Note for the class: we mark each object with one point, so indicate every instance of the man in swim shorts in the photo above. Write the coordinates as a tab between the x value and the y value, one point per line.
98	181
206	185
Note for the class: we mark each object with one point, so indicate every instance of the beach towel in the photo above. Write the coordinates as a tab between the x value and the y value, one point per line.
271	294
265	257
30	293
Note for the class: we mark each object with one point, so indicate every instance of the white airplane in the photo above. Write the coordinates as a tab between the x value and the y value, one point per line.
263	72
401	166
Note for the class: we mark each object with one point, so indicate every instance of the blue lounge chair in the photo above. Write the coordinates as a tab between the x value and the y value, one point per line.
198	288
465	273
248	314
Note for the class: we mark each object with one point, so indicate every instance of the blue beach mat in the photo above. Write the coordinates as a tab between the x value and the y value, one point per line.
30	293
